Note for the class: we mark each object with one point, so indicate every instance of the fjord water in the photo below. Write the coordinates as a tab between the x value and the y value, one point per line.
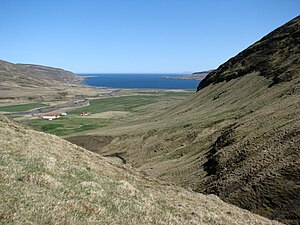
148	81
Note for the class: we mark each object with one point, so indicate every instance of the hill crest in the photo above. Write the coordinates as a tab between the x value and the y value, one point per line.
29	75
272	57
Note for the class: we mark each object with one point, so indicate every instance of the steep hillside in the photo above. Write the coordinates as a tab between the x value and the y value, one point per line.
25	75
237	139
46	180
272	57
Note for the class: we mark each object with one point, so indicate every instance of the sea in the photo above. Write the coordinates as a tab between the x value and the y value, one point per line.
143	81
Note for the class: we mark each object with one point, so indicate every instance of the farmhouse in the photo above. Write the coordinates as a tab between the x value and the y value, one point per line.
50	116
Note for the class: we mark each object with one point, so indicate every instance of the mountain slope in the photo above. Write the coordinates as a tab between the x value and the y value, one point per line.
272	57
26	75
46	180
237	137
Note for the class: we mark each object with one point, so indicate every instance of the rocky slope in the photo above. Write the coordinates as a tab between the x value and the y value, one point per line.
237	137
26	75
46	180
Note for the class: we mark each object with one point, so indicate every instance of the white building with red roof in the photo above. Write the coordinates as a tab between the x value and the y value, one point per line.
50	116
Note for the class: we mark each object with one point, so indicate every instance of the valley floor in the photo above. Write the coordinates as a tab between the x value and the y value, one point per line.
102	107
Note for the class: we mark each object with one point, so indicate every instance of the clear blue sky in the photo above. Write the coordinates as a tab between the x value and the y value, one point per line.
135	35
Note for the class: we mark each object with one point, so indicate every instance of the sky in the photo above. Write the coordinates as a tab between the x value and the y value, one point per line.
135	36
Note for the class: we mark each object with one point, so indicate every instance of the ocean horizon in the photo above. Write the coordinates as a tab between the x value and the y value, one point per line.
138	81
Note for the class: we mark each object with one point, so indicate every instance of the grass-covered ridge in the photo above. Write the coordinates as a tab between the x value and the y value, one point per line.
46	180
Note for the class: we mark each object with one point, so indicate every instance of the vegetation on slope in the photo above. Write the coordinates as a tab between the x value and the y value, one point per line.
238	138
46	180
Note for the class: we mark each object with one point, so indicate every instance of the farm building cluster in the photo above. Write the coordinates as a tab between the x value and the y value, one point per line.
53	116
56	116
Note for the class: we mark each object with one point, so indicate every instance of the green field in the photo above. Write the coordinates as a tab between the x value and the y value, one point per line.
20	107
66	125
124	103
73	123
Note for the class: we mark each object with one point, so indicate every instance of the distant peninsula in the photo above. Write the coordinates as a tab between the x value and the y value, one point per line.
194	76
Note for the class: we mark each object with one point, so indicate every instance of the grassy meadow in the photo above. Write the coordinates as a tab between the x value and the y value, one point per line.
124	103
66	125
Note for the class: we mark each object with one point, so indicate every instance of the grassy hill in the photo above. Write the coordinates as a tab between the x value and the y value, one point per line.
237	137
27	75
27	83
46	180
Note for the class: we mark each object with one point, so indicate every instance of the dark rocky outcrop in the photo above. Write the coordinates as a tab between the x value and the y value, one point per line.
276	57
90	142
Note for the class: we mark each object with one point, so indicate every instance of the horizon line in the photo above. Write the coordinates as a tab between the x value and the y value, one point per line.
179	73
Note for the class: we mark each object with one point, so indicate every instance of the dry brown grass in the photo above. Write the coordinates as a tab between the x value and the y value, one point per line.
46	180
109	114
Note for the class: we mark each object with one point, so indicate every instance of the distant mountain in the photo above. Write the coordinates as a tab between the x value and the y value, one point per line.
27	75
272	57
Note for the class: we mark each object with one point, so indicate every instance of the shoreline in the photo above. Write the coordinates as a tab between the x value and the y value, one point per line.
180	77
